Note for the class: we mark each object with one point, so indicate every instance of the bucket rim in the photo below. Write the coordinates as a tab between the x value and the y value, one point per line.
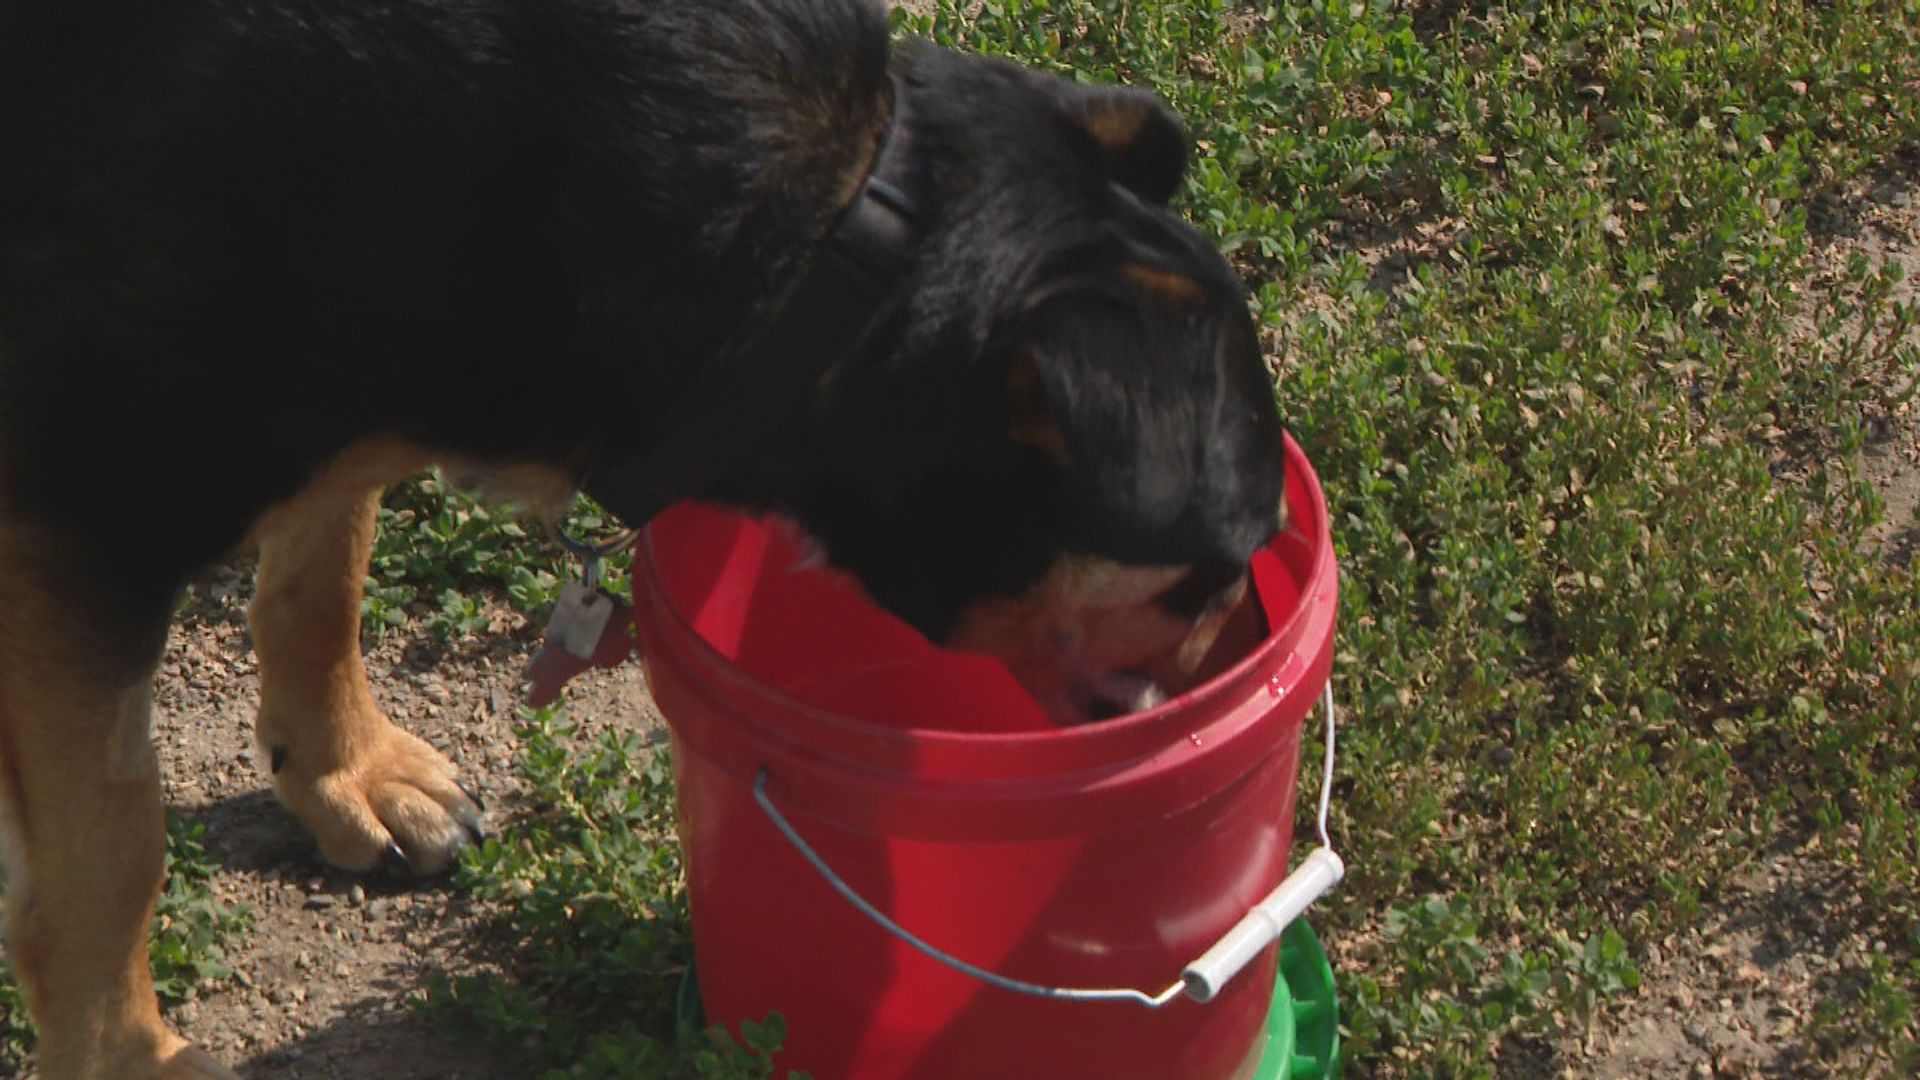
1238	677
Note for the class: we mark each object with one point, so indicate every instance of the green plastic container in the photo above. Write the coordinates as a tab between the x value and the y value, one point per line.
1303	1023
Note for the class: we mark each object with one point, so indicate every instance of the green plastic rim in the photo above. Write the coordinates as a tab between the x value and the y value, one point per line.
1303	1023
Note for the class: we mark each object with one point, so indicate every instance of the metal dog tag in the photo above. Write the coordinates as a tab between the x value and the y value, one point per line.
579	619
551	666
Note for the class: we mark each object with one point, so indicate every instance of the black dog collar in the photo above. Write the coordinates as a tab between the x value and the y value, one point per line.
850	287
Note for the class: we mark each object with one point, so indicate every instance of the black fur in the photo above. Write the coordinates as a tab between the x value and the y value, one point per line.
906	469
237	237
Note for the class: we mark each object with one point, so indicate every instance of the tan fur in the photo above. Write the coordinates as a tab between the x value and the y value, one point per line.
1089	616
1175	287
84	843
1029	420
1114	127
81	823
352	778
356	781
130	753
853	176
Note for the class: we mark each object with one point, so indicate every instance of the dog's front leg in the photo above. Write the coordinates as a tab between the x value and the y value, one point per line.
85	835
365	788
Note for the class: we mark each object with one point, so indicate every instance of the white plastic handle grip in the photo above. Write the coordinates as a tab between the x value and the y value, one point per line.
1317	873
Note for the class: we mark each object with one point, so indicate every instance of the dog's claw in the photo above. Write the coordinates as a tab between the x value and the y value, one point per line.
397	857
474	825
471	794
472	820
398	804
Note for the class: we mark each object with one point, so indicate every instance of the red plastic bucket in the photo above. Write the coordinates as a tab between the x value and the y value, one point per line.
1108	855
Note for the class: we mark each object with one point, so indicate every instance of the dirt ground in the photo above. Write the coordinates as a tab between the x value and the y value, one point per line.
323	980
1884	224
1726	999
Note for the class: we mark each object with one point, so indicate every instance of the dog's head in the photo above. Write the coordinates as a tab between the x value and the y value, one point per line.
1066	447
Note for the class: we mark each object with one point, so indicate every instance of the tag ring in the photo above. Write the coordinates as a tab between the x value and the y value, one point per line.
589	549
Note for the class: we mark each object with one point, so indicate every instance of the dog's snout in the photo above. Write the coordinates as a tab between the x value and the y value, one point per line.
1206	586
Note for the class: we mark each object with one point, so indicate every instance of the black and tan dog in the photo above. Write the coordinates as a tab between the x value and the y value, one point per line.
259	258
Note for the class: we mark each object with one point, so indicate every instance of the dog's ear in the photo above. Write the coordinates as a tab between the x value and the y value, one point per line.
1151	395
1103	391
1144	145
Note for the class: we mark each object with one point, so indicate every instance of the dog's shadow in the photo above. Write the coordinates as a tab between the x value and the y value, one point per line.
253	834
376	1038
311	929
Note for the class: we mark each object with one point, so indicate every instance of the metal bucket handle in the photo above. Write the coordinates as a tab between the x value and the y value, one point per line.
1203	979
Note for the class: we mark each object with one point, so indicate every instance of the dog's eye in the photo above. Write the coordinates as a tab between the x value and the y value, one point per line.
1203	588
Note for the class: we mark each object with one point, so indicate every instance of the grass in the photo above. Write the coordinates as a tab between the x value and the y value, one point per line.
439	550
1547	308
590	898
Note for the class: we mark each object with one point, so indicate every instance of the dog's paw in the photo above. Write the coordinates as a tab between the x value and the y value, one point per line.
188	1063
391	798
